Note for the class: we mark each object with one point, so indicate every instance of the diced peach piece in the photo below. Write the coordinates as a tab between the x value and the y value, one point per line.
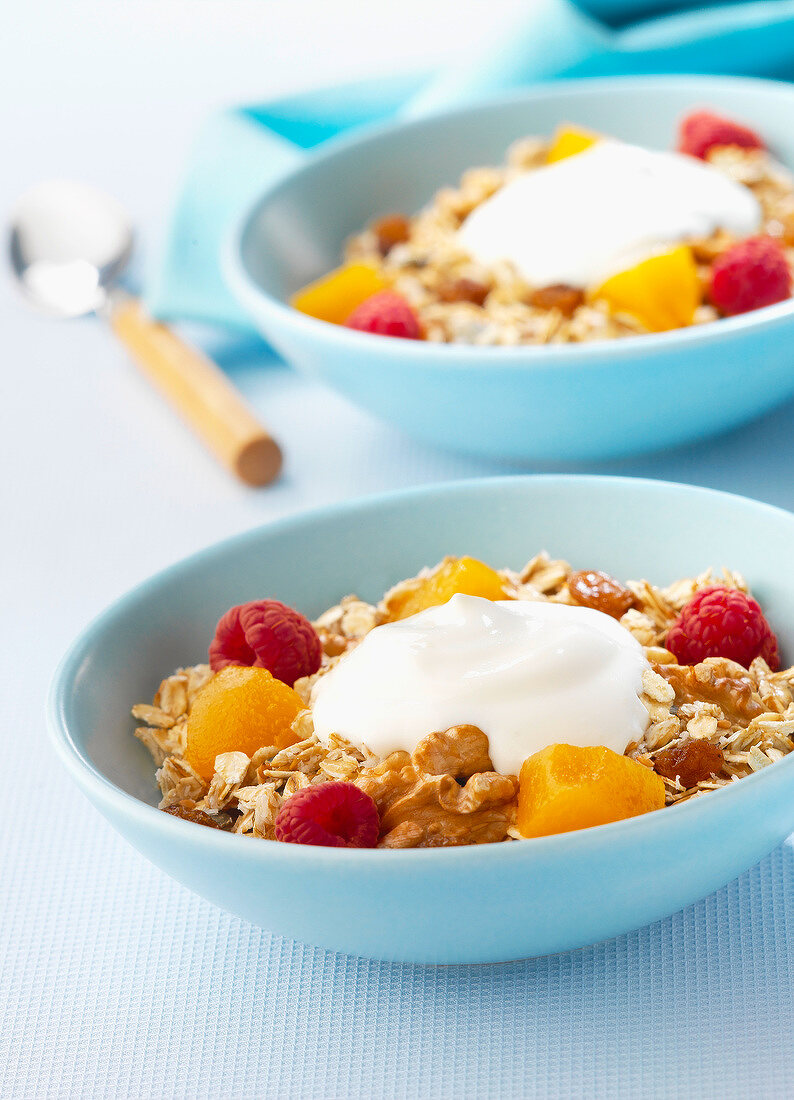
662	292
570	140
240	709
453	575
334	297
565	787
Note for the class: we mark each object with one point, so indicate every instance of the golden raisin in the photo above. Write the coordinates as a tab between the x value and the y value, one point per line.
692	762
390	230
601	592
197	816
566	299
463	290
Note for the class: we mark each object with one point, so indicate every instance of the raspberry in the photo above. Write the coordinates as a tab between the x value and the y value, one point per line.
334	815
702	130
267	634
749	275
387	314
722	622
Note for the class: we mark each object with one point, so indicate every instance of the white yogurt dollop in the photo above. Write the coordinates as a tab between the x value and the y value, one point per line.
581	219
528	674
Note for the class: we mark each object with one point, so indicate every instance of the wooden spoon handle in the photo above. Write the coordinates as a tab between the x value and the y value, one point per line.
200	392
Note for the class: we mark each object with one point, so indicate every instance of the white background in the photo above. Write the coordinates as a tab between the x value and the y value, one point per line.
99	484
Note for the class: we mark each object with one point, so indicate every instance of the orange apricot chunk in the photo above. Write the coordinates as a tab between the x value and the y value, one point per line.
334	297
662	292
570	140
240	710
565	787
465	575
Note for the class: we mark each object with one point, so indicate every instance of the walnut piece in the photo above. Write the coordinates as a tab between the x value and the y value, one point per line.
715	680
419	809
460	751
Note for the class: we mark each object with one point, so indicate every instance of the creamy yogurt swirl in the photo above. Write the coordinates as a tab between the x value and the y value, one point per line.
581	219
528	674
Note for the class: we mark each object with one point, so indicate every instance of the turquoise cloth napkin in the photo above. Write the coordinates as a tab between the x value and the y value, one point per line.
240	151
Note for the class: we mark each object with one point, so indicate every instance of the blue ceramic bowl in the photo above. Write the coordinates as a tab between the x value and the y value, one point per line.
562	402
475	904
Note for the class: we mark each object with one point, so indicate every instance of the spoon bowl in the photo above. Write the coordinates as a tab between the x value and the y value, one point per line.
69	244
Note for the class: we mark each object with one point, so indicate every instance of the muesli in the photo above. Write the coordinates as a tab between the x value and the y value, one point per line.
574	239
574	700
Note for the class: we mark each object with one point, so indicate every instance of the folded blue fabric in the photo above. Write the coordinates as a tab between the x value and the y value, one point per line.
240	151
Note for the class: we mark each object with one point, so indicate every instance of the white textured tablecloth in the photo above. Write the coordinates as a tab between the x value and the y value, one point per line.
114	981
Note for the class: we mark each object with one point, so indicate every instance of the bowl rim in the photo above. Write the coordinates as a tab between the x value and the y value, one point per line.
521	357
102	790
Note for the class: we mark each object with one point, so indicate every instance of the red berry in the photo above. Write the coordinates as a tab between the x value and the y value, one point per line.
334	815
722	622
751	274
702	130
267	634
387	314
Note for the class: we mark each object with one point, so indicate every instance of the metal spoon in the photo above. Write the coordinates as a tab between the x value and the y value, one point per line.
69	244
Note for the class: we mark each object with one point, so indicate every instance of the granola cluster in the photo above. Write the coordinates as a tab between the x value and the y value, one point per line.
460	301
710	724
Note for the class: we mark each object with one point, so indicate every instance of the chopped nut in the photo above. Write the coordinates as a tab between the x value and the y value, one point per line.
715	680
459	751
448	814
